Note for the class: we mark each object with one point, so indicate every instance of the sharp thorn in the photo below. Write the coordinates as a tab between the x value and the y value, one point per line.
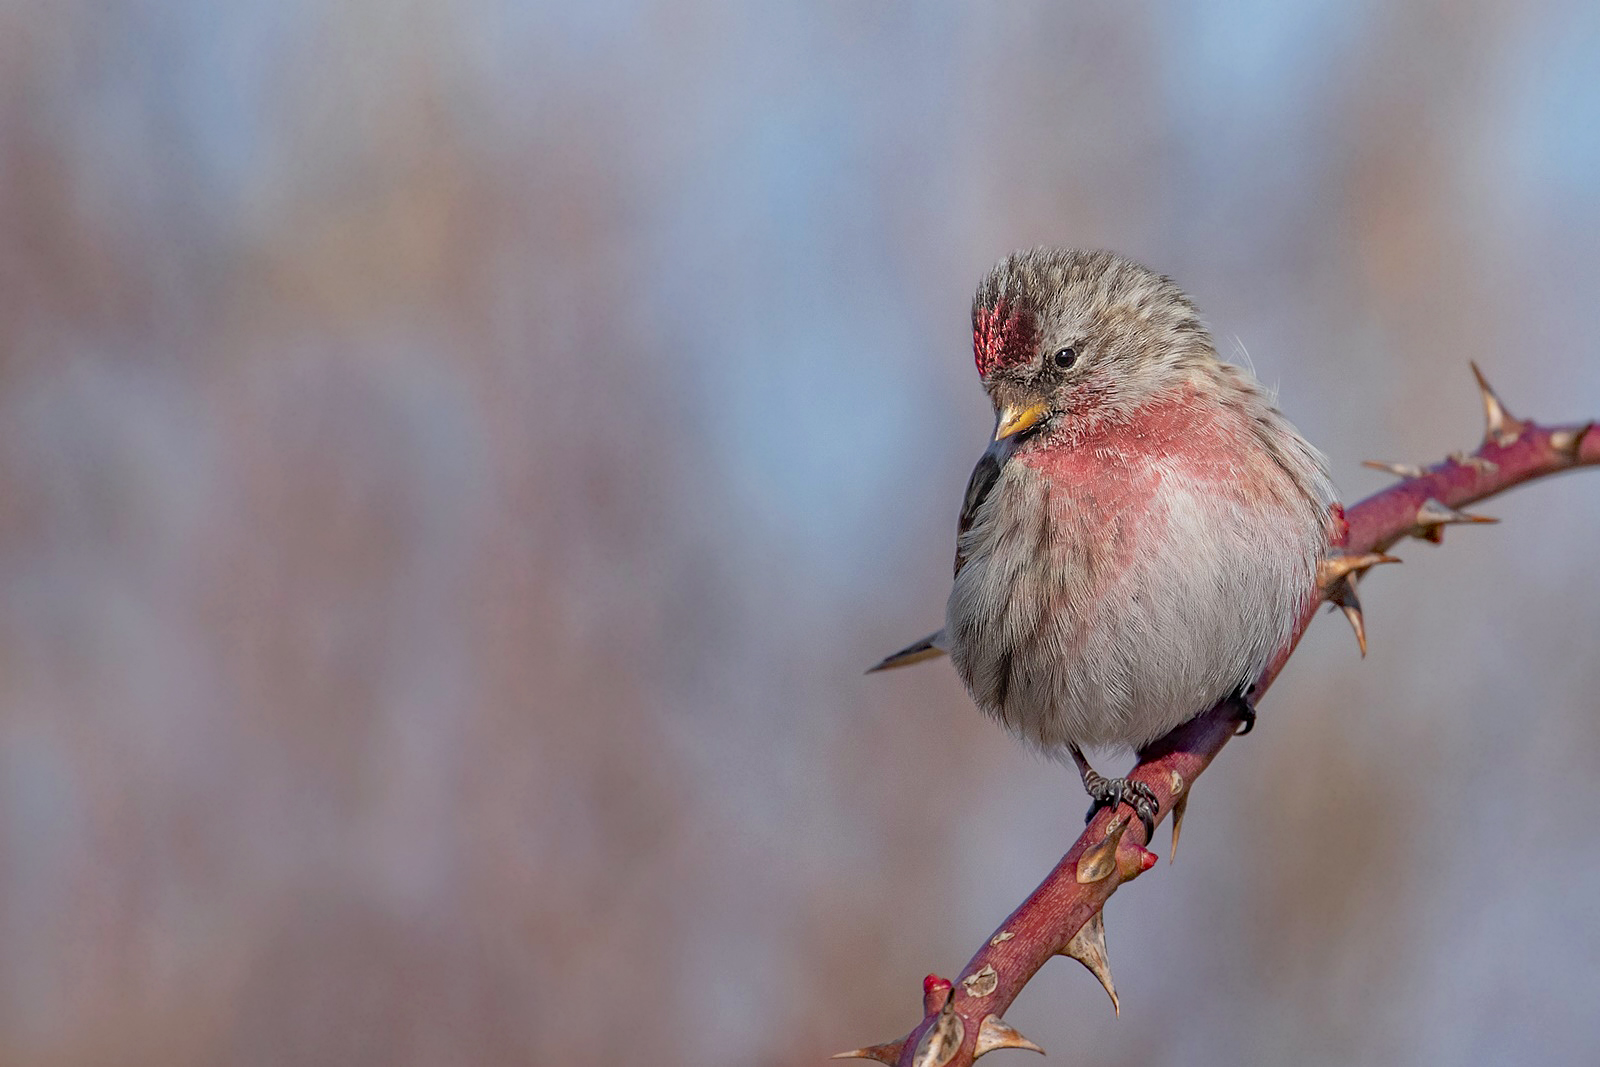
1569	442
1432	515
1502	428
1179	807
1088	947
1344	595
889	1053
1477	463
994	1032
1097	863
1336	568
1352	614
1399	470
941	1041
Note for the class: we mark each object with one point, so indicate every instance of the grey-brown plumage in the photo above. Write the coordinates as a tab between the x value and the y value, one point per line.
1144	530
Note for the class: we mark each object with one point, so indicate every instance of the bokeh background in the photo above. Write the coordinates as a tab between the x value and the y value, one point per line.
458	458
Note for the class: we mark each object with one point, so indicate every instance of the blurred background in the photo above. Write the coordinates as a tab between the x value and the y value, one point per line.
458	459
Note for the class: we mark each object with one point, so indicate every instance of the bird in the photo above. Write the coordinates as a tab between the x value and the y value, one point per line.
1144	528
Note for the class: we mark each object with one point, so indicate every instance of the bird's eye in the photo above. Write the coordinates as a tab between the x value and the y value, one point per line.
1066	357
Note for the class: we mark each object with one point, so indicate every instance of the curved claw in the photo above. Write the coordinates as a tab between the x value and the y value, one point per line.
1111	792
1147	817
1247	714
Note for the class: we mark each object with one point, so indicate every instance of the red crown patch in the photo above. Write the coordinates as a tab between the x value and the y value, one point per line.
1002	336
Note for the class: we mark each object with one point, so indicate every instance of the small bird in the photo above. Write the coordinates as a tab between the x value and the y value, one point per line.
1144	529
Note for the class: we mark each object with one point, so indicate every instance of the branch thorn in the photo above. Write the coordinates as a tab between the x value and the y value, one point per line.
889	1053
1433	517
1477	463
1179	807
1088	947
995	1032
1399	470
1568	442
1334	569
1097	863
1343	594
941	1041
1502	427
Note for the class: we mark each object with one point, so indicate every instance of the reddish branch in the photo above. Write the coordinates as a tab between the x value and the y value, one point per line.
962	1020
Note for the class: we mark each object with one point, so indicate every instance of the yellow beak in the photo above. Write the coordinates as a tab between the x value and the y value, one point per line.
1014	420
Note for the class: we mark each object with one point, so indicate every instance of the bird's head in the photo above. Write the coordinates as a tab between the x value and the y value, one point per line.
1065	339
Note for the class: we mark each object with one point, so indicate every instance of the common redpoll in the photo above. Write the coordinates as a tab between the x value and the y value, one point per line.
1143	532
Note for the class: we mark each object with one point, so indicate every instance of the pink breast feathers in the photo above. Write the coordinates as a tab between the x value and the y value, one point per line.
1107	483
1002	336
1210	445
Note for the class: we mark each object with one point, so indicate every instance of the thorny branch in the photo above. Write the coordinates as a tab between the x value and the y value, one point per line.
962	1020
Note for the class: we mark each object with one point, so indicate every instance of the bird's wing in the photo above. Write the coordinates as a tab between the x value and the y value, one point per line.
984	477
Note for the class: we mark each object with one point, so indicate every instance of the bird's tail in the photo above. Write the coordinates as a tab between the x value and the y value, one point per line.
929	647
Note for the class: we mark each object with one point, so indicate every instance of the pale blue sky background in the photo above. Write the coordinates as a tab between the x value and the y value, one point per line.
460	457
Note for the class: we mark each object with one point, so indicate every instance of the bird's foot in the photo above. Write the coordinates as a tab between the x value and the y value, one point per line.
1110	792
